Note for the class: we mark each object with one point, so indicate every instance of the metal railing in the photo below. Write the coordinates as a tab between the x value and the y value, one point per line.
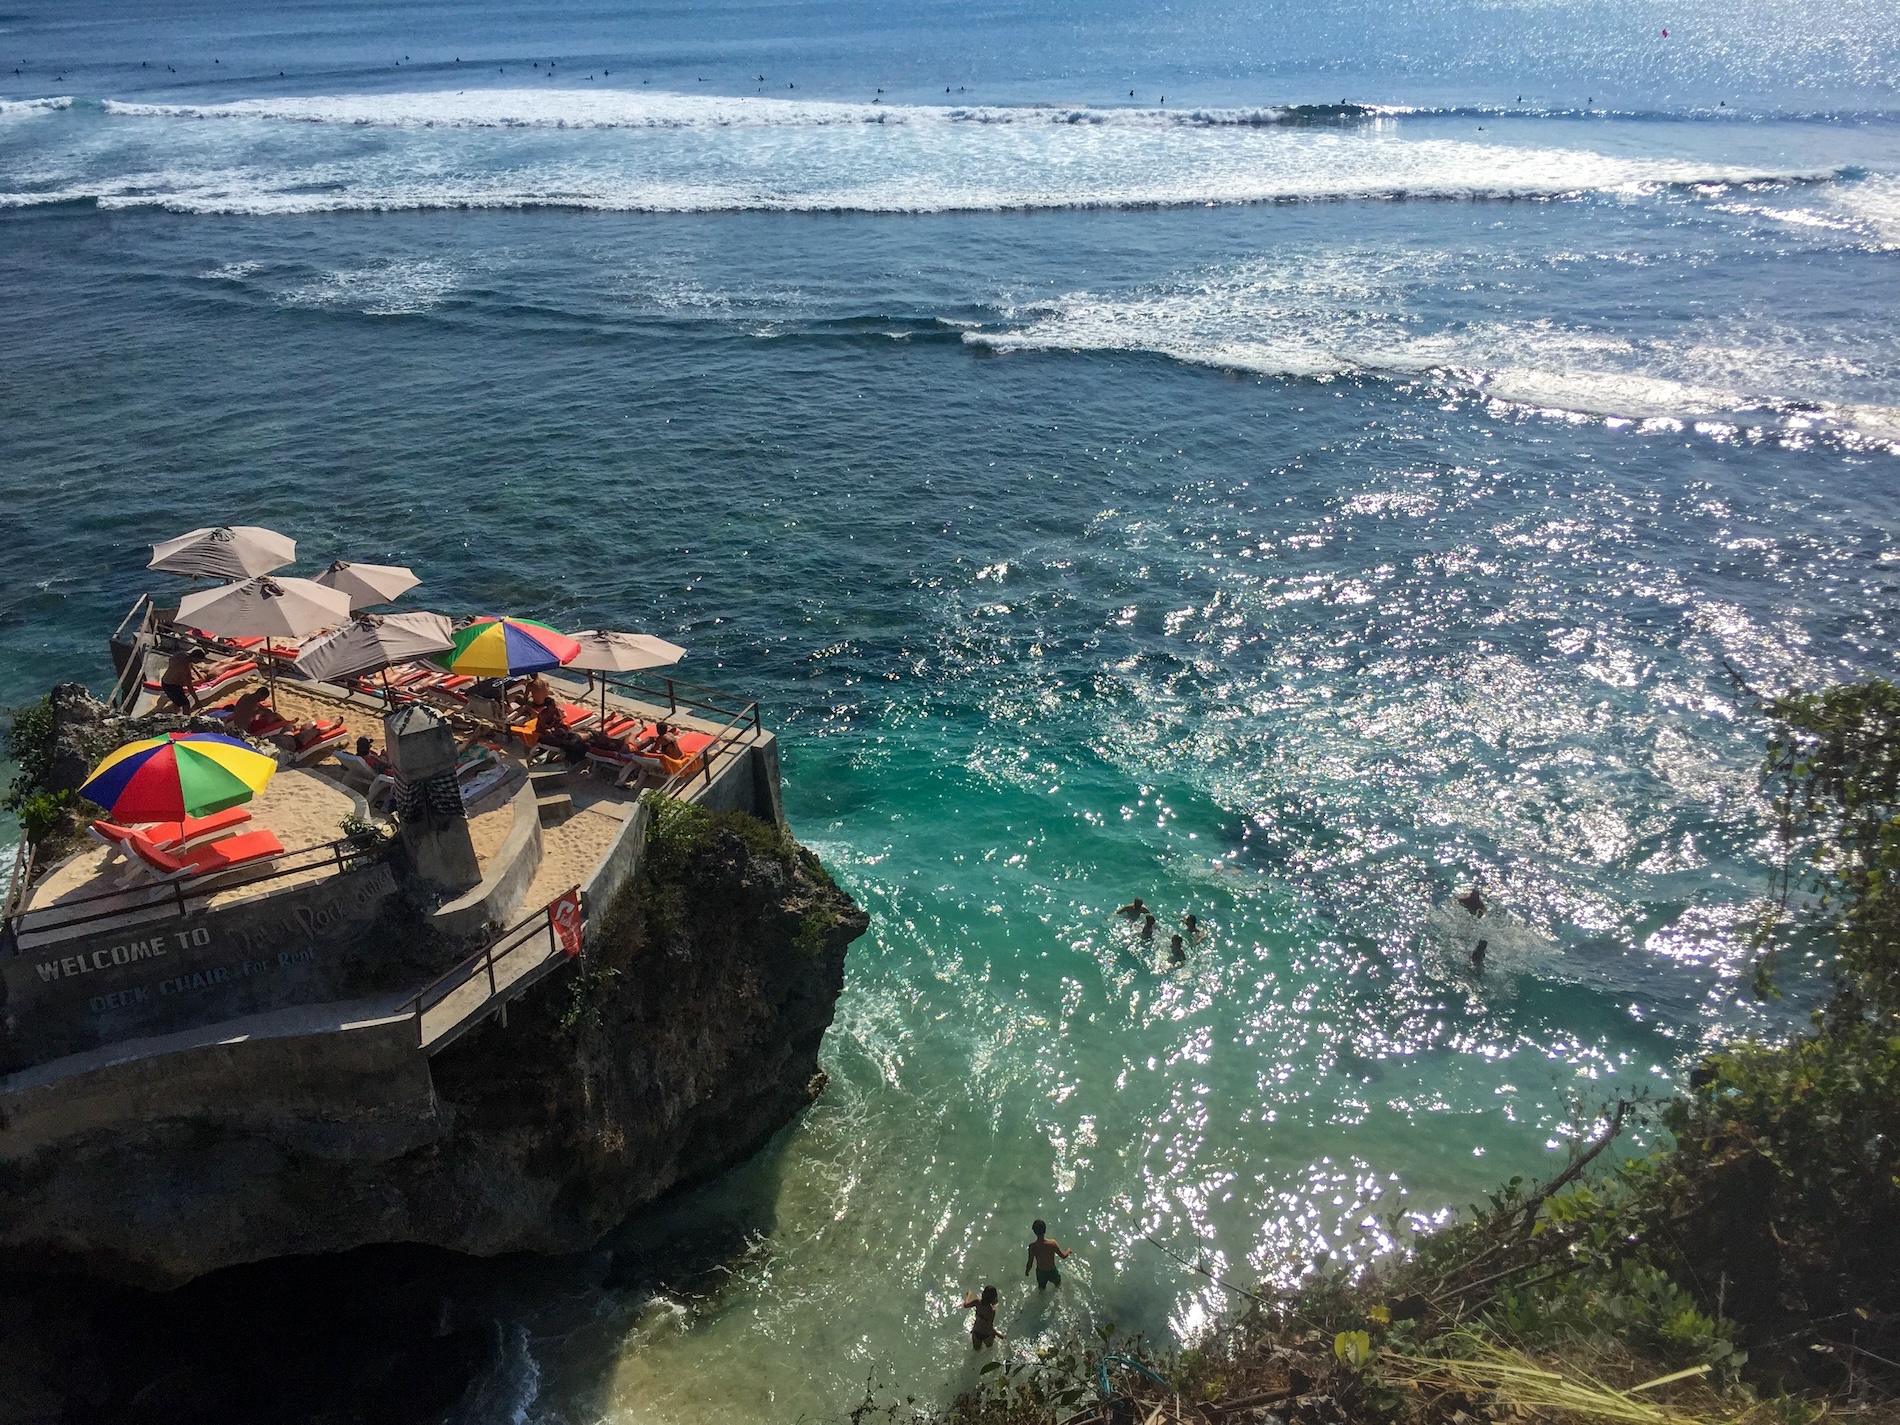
532	942
344	855
679	694
125	690
730	734
20	879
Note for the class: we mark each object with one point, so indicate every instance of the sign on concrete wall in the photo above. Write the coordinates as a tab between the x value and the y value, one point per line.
174	972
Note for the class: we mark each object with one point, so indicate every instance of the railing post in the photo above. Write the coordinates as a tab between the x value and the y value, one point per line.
489	958
672	699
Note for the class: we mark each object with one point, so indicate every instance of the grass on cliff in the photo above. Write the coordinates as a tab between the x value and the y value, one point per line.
1746	1270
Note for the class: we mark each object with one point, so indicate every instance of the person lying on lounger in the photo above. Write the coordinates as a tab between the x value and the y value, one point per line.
601	740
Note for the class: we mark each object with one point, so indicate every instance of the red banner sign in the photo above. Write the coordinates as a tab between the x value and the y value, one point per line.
565	916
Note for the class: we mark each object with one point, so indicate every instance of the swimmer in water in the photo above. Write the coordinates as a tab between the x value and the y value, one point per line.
1148	928
1134	910
1477	956
983	1330
1192	922
1043	1255
1176	955
1472	901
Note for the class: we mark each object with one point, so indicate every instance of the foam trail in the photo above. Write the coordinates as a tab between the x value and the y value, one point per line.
676	153
1352	313
623	109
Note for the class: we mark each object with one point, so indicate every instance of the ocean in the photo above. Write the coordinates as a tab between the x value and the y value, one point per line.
1282	462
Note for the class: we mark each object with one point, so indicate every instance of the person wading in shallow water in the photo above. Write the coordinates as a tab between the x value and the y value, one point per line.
983	1330
1134	910
1043	1253
1471	900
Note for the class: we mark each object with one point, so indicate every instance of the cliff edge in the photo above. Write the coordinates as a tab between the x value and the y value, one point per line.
686	1037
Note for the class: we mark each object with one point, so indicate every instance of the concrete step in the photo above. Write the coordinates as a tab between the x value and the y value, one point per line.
548	778
555	807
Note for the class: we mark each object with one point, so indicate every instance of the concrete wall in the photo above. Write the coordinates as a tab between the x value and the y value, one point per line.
620	864
361	1089
746	782
170	972
490	905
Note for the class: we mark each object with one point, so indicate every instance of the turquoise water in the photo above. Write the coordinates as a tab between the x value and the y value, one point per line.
1282	521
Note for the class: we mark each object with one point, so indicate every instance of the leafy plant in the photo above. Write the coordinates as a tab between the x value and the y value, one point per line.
29	742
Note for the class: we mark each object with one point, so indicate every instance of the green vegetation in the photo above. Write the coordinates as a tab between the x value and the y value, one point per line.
1746	1269
29	743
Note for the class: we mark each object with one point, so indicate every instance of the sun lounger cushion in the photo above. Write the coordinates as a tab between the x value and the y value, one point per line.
229	854
172	835
214	678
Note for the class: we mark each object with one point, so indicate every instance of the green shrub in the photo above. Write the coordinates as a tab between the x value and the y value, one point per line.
29	742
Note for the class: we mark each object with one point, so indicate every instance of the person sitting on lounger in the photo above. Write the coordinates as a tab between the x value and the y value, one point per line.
666	742
249	709
371	758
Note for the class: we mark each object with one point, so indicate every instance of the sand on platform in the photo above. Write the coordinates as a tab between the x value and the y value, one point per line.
301	809
571	850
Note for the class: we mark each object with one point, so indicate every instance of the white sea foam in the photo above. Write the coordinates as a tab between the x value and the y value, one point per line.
652	109
384	290
25	108
1350	313
664	152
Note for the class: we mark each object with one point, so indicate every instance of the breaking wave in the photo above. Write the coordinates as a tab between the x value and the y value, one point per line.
623	109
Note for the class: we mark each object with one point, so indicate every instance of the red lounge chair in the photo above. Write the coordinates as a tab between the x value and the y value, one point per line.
171	835
244	645
215	677
233	853
314	739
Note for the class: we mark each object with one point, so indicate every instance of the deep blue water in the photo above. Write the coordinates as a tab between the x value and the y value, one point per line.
1280	515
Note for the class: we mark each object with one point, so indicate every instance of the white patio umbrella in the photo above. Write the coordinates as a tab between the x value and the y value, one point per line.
609	652
368	583
266	608
369	643
239	551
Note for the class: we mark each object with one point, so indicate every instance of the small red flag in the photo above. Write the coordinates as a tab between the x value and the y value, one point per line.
564	915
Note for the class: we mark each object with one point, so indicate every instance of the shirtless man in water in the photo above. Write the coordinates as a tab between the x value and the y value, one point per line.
1043	1253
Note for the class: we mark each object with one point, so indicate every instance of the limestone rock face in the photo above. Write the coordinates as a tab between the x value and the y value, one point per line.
685	1039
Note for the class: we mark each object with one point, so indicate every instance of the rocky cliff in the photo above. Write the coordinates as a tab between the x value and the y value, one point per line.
688	1038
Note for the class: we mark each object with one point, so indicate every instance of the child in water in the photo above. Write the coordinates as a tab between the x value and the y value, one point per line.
983	1330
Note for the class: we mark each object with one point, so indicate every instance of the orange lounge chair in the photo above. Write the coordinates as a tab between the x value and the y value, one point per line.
314	739
171	835
232	853
217	676
243	645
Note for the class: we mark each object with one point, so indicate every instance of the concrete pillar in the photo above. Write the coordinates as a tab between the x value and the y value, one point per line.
429	799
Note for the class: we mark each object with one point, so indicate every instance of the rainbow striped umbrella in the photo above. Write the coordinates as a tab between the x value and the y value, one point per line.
179	775
504	647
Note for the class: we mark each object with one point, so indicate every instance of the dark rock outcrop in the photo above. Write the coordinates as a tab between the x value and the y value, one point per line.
685	1039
